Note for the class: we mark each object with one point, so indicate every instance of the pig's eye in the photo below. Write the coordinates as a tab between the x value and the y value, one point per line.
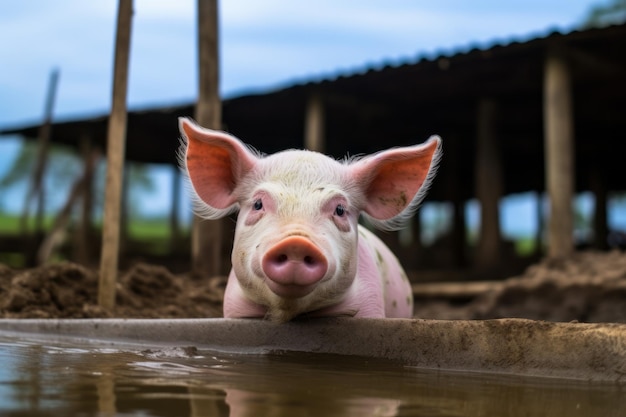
340	210
258	204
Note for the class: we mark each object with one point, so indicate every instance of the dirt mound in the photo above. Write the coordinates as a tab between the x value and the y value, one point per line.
69	290
588	287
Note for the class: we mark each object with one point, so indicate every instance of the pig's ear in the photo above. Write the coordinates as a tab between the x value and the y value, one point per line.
395	181
215	163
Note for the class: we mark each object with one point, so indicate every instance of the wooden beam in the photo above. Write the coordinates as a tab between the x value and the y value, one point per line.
207	235
559	154
116	141
489	185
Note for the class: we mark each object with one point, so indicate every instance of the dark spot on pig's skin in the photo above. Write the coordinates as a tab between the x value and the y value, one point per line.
409	301
379	258
403	198
394	304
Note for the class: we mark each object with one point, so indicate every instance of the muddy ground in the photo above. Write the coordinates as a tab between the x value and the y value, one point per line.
68	290
588	287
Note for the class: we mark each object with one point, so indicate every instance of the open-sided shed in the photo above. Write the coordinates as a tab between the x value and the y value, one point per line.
494	108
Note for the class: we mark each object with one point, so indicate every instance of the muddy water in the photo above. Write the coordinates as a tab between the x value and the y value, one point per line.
98	379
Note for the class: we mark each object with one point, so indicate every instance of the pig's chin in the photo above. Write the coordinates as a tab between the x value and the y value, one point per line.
291	291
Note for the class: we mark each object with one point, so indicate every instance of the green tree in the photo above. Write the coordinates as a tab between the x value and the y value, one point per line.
62	169
63	166
612	12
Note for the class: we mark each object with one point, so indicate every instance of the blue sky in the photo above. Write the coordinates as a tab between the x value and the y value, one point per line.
263	45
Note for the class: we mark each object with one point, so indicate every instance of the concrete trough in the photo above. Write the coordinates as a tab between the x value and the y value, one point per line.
595	352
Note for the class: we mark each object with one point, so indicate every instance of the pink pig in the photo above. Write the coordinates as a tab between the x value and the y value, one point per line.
298	247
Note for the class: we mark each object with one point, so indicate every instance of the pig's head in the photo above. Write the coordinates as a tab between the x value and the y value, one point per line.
295	247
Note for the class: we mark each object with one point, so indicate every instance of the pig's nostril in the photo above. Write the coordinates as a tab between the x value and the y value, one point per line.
307	260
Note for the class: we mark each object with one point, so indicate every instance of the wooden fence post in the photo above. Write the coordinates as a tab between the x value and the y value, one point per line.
83	245
488	185
314	138
37	188
559	155
207	235
116	141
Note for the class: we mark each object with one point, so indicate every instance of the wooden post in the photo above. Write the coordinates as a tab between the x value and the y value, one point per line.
600	223
540	225
116	141
44	141
559	155
56	235
207	235
488	185
416	232
36	188
459	226
314	138
125	212
174	212
83	247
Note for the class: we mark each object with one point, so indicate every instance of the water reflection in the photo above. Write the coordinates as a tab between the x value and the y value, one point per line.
41	379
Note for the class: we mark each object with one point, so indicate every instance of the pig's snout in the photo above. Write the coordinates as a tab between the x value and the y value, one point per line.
293	266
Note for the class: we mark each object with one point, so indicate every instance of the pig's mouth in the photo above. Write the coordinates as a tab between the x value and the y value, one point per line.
290	291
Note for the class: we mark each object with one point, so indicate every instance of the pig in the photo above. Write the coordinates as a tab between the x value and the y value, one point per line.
299	250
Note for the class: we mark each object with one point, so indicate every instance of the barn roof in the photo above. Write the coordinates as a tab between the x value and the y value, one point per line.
402	104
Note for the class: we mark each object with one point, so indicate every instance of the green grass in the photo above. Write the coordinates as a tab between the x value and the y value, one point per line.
153	234
525	246
156	234
146	236
10	223
148	229
138	229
